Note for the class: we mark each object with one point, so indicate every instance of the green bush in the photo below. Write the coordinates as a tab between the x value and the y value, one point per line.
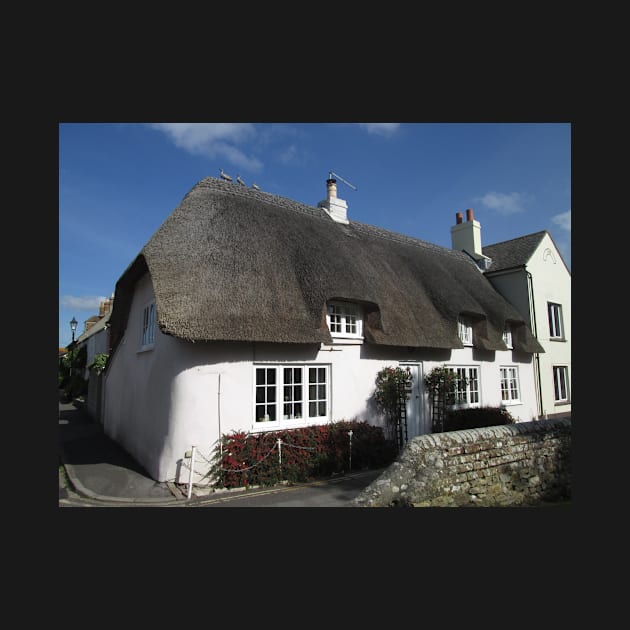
243	459
476	417
76	386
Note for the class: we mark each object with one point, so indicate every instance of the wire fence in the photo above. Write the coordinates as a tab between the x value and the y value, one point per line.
277	445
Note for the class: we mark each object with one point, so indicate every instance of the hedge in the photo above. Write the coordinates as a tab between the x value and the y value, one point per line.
477	417
243	459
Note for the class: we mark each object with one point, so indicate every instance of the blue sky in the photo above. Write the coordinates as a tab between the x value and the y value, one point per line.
119	181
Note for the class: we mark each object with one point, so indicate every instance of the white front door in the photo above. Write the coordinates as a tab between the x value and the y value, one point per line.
418	420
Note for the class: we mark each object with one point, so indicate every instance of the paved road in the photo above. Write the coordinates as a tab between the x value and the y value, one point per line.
329	493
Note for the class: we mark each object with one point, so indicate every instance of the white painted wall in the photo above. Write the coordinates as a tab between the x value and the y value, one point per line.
513	287
161	402
551	283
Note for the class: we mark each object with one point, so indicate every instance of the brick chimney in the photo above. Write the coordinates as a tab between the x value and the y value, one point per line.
335	207
467	237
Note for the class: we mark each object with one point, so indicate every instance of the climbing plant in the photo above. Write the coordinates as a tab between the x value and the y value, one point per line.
442	384
393	385
99	363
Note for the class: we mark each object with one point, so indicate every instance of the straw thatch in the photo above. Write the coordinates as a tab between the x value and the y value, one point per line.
236	264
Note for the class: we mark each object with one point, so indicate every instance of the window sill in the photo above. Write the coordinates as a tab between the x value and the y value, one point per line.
279	425
511	403
561	339
348	341
561	403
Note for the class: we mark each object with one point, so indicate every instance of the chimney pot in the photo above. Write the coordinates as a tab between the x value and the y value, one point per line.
331	188
459	217
469	214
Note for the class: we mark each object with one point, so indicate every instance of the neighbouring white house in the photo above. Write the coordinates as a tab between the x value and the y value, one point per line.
248	311
95	338
531	274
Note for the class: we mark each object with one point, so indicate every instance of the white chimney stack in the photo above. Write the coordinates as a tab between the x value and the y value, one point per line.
335	207
467	237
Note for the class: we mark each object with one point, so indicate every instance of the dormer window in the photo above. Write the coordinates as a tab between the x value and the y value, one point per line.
464	329
507	337
345	320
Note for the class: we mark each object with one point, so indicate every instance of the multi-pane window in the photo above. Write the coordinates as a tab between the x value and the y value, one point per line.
507	337
266	406
561	383
292	402
464	329
289	393
148	325
344	320
509	385
317	392
466	386
556	329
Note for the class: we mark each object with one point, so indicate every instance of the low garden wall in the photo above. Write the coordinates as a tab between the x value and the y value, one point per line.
516	464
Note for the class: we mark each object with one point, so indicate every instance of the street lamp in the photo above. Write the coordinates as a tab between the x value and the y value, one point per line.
73	327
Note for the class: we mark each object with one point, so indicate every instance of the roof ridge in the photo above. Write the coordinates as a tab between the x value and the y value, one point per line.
402	238
517	238
238	190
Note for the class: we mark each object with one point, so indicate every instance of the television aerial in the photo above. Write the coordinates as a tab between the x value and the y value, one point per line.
333	175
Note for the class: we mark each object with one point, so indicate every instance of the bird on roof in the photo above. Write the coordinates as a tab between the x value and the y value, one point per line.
225	176
256	186
239	180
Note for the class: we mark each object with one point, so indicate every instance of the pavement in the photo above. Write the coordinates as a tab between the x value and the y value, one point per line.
97	472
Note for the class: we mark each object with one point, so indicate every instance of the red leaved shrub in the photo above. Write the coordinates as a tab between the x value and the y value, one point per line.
307	453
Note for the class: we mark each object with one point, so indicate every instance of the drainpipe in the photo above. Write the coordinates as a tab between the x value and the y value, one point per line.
219	415
532	317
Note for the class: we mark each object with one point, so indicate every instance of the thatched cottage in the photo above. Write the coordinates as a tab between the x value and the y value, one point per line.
249	311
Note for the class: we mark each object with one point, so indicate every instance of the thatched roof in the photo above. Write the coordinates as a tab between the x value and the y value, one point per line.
236	264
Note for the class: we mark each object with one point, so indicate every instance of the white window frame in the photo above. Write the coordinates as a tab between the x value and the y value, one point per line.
510	385
507	337
558	385
469	396
306	400
556	323
147	331
464	330
341	317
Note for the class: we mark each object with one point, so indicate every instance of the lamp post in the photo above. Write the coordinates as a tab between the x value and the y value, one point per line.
73	327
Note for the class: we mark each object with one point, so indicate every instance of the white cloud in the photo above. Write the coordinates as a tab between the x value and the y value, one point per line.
563	220
83	303
214	140
511	203
288	155
381	129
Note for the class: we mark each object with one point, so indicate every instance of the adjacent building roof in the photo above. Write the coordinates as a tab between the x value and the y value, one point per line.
513	253
234	263
516	252
99	324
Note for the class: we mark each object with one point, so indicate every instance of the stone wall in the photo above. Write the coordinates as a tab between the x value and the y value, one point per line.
516	464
